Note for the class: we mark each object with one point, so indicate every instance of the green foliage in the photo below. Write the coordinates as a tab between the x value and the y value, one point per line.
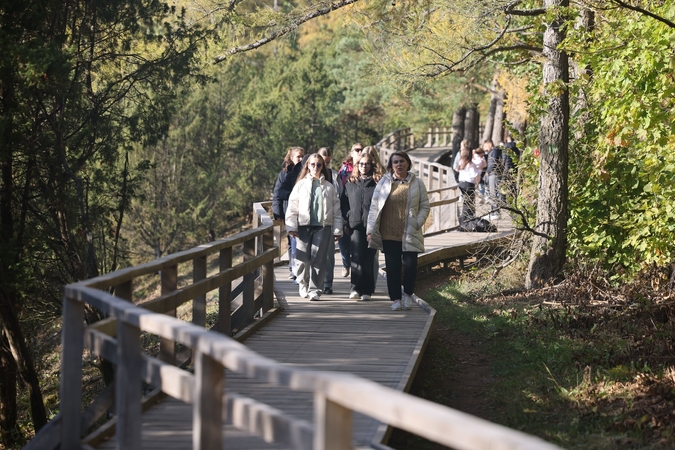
624	167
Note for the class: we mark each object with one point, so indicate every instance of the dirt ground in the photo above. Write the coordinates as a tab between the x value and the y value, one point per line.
453	372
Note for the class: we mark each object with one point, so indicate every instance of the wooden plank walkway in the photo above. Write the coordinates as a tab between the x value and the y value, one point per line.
335	334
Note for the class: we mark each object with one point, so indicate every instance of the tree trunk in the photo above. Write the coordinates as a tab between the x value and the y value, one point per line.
8	408
547	257
23	360
471	125
497	134
490	118
457	132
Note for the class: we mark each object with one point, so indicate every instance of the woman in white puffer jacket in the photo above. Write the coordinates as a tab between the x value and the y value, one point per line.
399	208
313	217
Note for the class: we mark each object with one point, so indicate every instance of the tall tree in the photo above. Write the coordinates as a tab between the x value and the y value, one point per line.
80	80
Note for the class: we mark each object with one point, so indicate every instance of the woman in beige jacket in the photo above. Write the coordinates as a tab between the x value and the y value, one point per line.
313	217
399	208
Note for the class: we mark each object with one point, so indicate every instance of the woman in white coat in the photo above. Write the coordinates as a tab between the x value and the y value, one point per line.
399	208
313	217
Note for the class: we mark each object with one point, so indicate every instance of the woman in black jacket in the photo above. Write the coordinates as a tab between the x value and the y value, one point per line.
282	190
355	204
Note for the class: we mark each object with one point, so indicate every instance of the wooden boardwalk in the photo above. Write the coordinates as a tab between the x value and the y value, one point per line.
334	334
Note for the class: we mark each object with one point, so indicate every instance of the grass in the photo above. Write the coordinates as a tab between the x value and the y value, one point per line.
553	363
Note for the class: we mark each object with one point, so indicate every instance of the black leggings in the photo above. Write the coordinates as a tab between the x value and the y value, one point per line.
395	259
468	191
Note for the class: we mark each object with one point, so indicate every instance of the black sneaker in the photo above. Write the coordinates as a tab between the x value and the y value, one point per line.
292	277
327	290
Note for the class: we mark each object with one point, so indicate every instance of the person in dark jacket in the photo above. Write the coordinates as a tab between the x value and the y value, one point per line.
282	190
355	205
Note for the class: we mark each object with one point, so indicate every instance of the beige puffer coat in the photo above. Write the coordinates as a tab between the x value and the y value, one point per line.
418	211
297	213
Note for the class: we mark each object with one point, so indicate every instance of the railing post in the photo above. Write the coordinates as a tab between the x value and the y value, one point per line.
72	346
428	144
207	410
445	137
225	295
199	303
167	347
268	274
412	139
436	137
249	283
332	425
128	387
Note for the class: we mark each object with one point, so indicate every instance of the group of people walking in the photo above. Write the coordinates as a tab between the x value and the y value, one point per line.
484	165
365	208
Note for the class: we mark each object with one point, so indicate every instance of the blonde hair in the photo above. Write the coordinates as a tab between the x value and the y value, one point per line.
374	168
305	167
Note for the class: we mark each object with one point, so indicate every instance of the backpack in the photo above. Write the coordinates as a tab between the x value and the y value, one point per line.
477	225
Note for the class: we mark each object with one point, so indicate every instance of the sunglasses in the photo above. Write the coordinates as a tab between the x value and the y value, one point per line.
316	164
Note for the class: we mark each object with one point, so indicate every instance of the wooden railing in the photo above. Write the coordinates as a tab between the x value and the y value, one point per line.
117	339
239	304
336	396
438	137
439	181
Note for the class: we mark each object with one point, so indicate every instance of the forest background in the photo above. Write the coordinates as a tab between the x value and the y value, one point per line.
132	129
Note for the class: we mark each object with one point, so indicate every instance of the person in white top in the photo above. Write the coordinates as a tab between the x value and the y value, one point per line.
469	165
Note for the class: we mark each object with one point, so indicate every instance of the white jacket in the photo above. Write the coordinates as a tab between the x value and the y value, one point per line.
297	213
472	171
418	211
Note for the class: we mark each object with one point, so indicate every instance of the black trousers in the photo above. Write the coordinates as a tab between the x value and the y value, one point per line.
468	191
396	259
363	261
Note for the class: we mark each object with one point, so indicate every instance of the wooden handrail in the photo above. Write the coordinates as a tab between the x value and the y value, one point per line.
337	396
337	393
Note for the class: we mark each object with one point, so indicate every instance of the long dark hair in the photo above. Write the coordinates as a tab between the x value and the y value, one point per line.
464	155
305	167
288	159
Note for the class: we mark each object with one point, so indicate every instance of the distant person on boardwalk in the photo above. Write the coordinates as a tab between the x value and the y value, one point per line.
399	208
334	179
469	165
313	218
356	199
282	190
345	172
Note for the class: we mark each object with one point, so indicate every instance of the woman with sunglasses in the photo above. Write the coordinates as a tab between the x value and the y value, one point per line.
399	208
355	203
313	218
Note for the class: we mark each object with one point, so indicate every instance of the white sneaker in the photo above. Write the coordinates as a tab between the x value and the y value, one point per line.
303	291
353	295
345	272
407	301
314	296
396	306
365	298
495	215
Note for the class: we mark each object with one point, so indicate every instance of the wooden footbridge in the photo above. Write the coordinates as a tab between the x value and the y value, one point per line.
295	374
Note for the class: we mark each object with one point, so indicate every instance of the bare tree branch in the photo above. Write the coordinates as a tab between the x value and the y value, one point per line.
645	12
526	12
285	30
